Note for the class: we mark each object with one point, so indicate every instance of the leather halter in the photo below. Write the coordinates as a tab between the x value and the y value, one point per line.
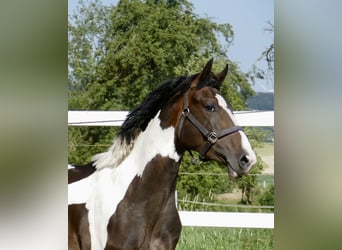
211	136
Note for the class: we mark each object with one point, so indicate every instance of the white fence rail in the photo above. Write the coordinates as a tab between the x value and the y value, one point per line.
115	118
196	219
227	219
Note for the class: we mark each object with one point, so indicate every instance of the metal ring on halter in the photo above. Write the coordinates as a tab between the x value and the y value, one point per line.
185	111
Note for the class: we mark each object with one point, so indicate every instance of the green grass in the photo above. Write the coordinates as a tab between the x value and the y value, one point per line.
201	238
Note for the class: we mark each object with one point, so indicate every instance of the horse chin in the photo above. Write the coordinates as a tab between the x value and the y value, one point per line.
232	173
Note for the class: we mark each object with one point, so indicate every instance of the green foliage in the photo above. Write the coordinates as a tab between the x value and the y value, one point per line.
86	29
85	142
122	52
201	180
267	197
248	183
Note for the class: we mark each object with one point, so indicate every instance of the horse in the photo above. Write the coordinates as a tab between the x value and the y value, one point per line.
125	197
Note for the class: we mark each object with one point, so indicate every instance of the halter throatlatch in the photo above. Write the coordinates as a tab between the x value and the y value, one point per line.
211	136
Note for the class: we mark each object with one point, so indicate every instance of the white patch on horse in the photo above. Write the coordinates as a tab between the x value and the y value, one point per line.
244	140
78	192
111	184
248	148
71	166
223	104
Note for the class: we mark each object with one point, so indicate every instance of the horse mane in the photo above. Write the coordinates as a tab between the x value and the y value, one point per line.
156	100
139	117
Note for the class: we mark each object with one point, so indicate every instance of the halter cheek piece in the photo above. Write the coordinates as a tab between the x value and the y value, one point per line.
211	136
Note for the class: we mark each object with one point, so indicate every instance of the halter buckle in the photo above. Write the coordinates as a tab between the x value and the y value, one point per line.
212	137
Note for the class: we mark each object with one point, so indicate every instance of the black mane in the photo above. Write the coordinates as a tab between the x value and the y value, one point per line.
140	116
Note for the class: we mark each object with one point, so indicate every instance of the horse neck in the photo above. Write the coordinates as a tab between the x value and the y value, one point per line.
156	140
170	117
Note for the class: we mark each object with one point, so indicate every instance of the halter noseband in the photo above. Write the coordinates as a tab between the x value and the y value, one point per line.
211	136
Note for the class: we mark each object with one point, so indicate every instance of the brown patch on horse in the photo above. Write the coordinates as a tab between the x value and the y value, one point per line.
172	119
78	227
80	172
147	217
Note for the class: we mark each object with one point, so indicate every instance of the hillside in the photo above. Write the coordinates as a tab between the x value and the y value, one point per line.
261	101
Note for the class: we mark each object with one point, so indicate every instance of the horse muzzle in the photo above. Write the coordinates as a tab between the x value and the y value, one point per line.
242	167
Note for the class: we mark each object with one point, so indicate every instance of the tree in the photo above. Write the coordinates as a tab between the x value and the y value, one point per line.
118	54
267	199
86	29
268	54
142	43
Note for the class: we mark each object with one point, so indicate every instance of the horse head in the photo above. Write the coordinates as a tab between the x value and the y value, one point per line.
207	124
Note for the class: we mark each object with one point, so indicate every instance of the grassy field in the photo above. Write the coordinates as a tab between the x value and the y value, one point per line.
200	238
267	149
267	155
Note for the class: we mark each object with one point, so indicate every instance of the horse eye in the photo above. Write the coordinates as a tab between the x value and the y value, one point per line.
210	108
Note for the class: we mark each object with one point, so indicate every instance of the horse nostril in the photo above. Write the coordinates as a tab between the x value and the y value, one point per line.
244	160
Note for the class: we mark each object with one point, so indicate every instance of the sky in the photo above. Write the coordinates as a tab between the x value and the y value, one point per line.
249	19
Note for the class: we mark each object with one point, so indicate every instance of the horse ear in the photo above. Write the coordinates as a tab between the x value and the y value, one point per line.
222	75
204	75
